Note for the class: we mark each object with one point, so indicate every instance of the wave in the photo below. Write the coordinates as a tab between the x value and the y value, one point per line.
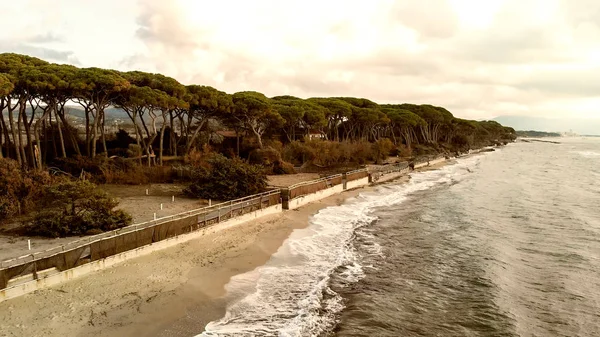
291	294
588	154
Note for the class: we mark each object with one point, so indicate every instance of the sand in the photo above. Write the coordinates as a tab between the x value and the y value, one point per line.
173	292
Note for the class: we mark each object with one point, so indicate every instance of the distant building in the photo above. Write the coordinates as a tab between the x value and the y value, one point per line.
316	135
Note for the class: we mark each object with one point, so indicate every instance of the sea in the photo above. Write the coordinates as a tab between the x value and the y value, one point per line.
505	243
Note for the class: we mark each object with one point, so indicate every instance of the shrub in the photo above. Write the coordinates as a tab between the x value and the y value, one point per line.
134	151
271	160
298	153
198	158
382	149
360	152
19	189
227	179
326	153
76	208
283	167
76	165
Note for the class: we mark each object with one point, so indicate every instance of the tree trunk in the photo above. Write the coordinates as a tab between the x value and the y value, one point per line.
103	135
5	131
95	133
1	138
172	144
11	120
21	148
72	137
36	134
162	139
194	136
60	136
88	132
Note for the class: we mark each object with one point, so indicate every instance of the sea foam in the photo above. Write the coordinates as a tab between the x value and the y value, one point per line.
291	294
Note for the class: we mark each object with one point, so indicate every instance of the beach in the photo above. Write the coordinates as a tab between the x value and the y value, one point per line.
171	292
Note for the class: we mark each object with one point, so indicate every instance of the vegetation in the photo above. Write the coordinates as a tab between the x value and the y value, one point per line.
168	118
222	178
19	189
537	134
76	208
58	118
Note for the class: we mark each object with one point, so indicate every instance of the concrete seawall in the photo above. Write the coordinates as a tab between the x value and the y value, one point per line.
322	194
51	279
357	183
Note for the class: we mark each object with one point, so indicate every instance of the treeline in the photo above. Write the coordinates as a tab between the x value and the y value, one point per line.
538	134
169	118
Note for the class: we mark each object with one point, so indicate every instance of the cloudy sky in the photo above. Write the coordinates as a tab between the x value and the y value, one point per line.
480	59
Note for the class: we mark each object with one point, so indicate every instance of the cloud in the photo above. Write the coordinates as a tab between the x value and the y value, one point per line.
478	58
47	54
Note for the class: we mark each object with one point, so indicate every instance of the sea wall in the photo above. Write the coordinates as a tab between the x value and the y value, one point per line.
357	183
308	198
392	176
26	284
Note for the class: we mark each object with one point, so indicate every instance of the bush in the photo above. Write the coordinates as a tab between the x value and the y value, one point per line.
271	160
298	153
324	153
227	179
19	189
198	158
76	208
76	165
382	149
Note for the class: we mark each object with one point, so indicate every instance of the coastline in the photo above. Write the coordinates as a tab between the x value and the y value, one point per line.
172	292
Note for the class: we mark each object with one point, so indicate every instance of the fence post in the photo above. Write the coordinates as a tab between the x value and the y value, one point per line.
231	209
219	214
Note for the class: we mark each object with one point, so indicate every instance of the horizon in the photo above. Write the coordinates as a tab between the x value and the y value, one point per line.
480	61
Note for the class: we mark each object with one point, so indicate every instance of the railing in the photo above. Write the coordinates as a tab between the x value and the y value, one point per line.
114	242
308	187
356	174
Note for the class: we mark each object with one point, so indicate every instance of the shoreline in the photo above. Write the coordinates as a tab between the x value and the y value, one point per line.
174	292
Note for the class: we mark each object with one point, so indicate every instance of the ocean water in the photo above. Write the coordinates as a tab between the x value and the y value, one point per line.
505	243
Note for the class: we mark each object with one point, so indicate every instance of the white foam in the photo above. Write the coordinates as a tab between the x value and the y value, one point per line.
588	154
291	295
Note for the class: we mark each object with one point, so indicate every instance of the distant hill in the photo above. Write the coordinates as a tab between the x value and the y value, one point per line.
579	126
111	113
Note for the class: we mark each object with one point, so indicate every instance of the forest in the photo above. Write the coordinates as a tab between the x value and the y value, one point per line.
55	124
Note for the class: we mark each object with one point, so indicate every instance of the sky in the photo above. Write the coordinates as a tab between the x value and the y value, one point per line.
479	59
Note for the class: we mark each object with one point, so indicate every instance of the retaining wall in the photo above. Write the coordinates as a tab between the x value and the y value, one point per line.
53	277
437	161
305	199
357	183
392	175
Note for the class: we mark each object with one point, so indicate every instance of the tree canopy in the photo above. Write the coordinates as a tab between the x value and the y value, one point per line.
167	117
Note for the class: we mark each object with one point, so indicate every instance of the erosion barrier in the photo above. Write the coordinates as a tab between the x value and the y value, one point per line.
36	267
302	193
357	178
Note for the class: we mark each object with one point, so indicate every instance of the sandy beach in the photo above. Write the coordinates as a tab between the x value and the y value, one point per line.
173	292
